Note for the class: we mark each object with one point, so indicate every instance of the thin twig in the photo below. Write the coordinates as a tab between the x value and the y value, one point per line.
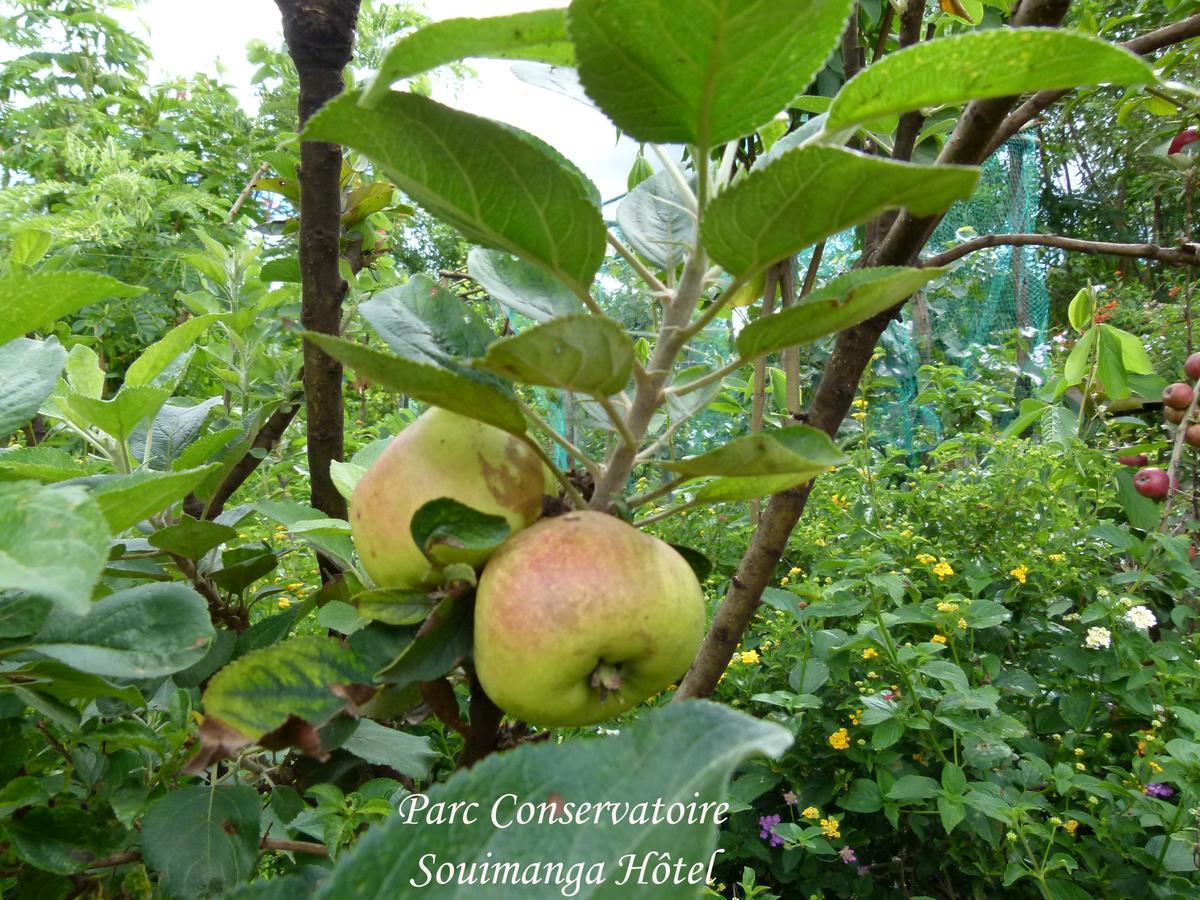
247	191
1185	255
693	205
582	458
666	513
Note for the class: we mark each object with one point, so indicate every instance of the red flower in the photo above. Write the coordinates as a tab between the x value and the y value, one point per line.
1181	140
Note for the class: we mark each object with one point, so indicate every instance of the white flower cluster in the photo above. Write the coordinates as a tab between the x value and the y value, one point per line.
1140	617
1098	639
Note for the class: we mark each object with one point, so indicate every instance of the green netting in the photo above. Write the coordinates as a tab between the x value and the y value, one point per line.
993	298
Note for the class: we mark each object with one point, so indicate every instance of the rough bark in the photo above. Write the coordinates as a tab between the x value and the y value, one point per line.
839	382
320	39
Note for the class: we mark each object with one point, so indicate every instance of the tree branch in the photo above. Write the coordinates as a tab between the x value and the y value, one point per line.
1184	255
320	39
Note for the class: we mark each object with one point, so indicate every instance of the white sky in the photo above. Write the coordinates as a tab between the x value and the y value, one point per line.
189	37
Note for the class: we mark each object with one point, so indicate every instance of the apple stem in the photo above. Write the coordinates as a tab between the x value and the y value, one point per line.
606	678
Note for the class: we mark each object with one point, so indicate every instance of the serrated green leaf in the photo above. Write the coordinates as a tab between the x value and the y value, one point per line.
675	754
444	529
32	301
654	219
53	543
394	607
28	371
782	451
192	538
844	301
814	192
521	286
495	187
155	358
202	839
583	353
408	754
540	36
693	72
144	632
422	321
126	500
117	417
461	393
994	62
286	513
441	645
83	372
257	693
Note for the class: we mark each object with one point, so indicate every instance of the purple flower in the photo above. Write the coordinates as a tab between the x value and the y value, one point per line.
864	871
847	855
766	826
1160	790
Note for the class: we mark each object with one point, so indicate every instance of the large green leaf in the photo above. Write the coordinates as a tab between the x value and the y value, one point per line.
28	372
31	301
117	417
290	514
460	393
698	72
304	677
202	839
128	499
761	463
493	186
540	35
143	632
408	754
521	287
424	322
40	463
813	192
1110	365
155	358
583	353
995	62
192	538
444	528
175	428
684	753
844	301
53	542
654	219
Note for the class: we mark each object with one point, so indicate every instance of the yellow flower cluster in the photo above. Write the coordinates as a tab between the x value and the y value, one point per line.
839	501
829	827
859	416
947	606
870	653
1058	557
943	570
926	559
811	813
840	739
859	403
962	624
749	658
1020	573
938	639
856	717
1069	827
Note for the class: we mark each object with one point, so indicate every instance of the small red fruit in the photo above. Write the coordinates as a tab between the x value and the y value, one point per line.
1192	367
1178	395
1181	140
1135	461
1152	483
1192	435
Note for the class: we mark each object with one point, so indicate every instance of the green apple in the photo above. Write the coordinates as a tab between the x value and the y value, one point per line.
441	454
582	617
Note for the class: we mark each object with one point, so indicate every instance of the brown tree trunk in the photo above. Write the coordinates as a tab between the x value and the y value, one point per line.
320	39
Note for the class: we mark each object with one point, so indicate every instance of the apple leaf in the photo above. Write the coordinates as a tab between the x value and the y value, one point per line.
683	753
520	286
422	321
842	302
460	391
815	191
540	36
495	187
53	543
155	358
444	640
144	632
35	300
994	62
41	463
202	839
192	538
408	754
761	463
393	607
117	417
654	219
584	353
442	528
700	73
289	514
29	371
304	677
126	500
